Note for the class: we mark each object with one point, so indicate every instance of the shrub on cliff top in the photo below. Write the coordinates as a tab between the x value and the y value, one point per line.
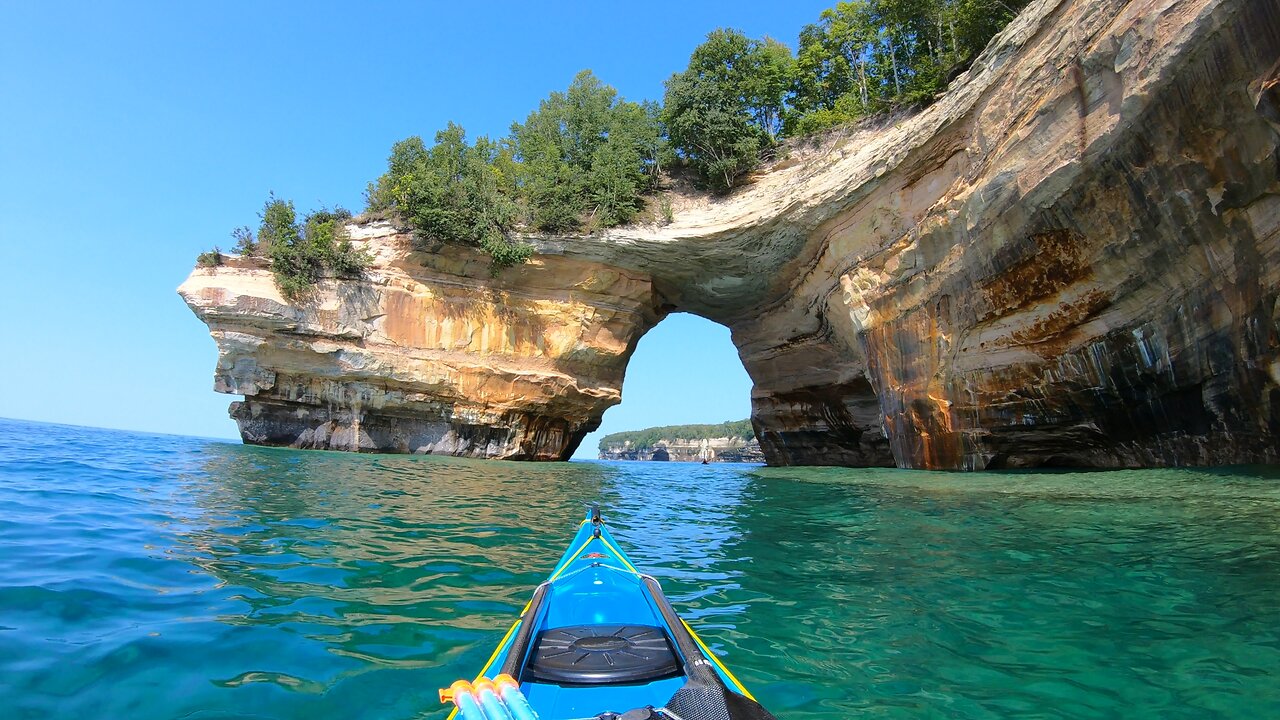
210	259
301	253
454	192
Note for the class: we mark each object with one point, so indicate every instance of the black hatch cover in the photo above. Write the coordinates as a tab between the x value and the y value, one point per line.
602	655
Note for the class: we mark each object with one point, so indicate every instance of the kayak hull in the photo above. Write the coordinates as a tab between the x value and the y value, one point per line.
600	638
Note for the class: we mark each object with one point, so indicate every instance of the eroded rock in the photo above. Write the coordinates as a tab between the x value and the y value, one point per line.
1069	259
426	353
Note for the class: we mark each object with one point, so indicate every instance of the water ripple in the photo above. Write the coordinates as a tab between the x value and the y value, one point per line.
147	576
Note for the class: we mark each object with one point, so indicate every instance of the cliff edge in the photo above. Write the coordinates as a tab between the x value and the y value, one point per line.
733	441
1069	259
676	449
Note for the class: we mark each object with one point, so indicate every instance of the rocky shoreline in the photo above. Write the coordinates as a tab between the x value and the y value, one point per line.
726	450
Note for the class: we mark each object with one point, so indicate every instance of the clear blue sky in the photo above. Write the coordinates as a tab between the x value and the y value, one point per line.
135	135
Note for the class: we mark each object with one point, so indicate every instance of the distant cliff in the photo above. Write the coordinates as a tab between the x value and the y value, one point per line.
724	442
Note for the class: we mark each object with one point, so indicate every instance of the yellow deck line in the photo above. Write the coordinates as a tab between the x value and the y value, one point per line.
572	557
712	656
453	713
622	559
618	553
498	649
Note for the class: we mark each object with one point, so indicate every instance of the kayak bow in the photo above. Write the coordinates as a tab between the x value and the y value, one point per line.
599	640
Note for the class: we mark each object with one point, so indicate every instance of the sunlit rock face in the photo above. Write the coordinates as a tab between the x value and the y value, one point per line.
1069	259
725	449
425	354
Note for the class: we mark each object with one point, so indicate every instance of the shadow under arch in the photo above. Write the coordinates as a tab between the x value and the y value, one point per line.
691	366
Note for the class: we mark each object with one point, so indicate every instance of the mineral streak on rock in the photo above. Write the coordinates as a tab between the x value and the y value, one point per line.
1111	307
1070	258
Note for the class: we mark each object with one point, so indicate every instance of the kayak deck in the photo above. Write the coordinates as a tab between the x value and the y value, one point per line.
599	638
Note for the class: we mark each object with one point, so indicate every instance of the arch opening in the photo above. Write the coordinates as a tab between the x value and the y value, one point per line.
684	371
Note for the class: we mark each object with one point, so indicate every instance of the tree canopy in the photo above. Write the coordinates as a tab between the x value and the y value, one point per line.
647	438
586	154
867	56
586	158
583	159
728	104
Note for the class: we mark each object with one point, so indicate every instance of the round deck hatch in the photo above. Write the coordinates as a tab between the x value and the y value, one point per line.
602	654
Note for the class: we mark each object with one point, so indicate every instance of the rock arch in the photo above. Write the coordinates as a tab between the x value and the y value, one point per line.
1070	257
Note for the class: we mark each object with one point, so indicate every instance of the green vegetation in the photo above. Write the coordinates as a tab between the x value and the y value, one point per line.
586	158
666	210
727	107
583	159
301	253
647	438
454	191
868	56
210	259
739	96
586	152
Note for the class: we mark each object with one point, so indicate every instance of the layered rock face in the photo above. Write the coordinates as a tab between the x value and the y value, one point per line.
1069	259
726	449
426	353
1073	263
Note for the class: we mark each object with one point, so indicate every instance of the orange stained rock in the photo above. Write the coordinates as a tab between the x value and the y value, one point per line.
1071	253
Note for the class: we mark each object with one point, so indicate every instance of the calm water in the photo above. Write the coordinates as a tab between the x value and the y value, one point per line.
149	577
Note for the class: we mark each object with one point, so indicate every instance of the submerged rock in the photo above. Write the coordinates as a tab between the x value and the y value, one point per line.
1069	259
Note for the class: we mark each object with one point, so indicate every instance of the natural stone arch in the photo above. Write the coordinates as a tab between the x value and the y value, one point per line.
1070	257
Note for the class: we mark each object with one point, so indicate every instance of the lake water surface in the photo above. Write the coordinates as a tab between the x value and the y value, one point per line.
146	577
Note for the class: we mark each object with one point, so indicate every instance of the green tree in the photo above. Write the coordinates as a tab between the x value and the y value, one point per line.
833	78
727	105
454	192
626	164
279	224
543	145
867	56
970	24
586	152
768	77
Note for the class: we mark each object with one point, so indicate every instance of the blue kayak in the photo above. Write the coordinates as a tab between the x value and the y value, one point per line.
600	641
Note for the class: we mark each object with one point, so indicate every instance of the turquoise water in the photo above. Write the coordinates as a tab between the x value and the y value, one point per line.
146	576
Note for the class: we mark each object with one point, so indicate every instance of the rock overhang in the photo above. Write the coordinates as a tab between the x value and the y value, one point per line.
1067	259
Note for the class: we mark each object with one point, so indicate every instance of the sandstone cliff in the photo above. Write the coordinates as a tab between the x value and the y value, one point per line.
426	353
723	449
1068	259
